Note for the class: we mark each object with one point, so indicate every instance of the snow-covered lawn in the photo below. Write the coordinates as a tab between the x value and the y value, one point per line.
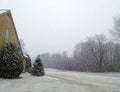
63	81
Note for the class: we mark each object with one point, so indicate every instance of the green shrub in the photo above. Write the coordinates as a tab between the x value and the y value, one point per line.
28	64
38	69
11	64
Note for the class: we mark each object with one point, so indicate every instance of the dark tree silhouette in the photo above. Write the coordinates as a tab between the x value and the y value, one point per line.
28	64
11	64
38	67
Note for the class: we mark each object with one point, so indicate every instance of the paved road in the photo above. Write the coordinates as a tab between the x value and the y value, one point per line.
105	81
62	81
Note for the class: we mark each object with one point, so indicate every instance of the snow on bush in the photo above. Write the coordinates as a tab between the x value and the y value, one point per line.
11	64
37	69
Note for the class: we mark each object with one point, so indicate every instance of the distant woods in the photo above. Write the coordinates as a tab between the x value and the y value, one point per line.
58	61
95	54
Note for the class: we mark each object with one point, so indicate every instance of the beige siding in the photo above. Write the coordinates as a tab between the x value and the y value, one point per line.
6	23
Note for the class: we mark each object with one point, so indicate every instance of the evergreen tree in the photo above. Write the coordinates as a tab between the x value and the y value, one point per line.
38	67
11	64
28	63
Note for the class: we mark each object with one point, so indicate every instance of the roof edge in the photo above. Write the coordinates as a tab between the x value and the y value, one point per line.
6	11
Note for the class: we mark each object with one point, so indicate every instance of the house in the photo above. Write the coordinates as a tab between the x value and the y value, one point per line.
7	30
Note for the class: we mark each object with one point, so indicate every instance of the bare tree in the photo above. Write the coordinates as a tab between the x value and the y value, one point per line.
116	28
90	53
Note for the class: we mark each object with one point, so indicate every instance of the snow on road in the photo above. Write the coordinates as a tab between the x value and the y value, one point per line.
84	74
63	81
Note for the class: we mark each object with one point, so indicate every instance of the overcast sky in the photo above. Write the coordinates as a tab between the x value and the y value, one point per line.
58	25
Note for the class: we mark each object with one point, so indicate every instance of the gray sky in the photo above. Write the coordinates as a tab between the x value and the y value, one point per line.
57	25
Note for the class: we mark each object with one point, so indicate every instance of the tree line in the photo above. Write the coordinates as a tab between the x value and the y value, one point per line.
95	54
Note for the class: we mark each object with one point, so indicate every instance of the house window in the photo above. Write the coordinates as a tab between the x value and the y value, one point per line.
6	35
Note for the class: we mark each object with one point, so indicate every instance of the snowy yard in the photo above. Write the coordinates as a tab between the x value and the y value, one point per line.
63	81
